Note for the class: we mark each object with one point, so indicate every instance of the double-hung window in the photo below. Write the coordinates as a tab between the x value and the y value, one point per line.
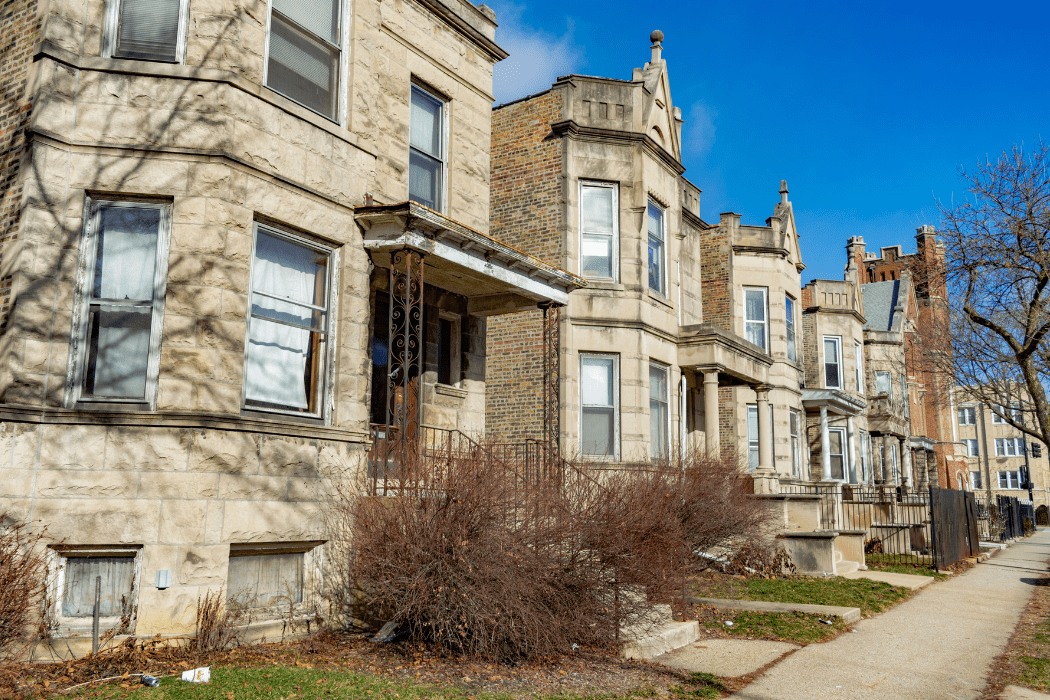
598	231
967	415
657	249
756	316
795	418
288	327
972	450
789	316
1015	413
426	149
1009	447
305	52
837	452
865	457
146	30
832	362
884	384
126	255
659	417
1010	480
858	361
975	480
599	401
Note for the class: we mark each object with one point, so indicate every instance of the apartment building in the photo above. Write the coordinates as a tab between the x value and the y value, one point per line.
297	197
687	333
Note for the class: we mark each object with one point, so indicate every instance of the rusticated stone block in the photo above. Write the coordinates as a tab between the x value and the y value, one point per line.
248	487
67	483
179	485
224	451
288	457
203	566
182	521
101	521
72	446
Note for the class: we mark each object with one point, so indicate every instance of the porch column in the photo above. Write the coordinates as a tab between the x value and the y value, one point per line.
906	458
711	414
879	452
765	440
851	441
825	445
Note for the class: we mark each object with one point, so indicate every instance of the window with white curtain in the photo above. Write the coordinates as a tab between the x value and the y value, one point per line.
659	416
789	317
657	249
426	146
126	246
81	569
599	228
304	52
599	405
146	30
288	325
832	362
884	384
756	317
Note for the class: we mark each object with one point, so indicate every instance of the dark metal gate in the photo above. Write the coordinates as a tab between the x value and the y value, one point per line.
955	532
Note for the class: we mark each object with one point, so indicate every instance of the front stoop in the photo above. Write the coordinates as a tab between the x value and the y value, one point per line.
667	635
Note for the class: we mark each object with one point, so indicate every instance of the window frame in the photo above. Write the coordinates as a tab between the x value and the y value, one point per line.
889	394
615	404
1013	479
795	435
325	365
662	292
752	467
765	320
837	341
341	106
973	448
858	359
455	349
86	270
865	457
666	370
111	28
57	557
790	334
614	244
445	103
975	480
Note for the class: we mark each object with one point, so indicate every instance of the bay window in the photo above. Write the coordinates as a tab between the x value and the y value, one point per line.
756	316
122	308
598	231
288	324
304	53
832	362
599	405
146	30
426	149
657	249
790	318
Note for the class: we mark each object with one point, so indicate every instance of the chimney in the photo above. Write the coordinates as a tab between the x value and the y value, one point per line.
657	37
855	259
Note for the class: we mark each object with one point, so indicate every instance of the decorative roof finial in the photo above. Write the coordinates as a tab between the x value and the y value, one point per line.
657	38
783	191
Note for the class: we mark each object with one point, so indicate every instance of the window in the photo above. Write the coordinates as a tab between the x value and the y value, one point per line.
865	457
146	30
790	317
883	385
971	448
756	318
752	434
659	426
975	480
967	415
832	362
265	575
599	228
796	444
79	573
304	53
599	399
858	361
837	452
448	347
1015	413
288	325
893	463
657	275
1009	447
1010	480
126	248
904	396
426	157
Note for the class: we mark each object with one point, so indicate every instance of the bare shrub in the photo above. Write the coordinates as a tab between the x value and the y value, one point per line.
471	556
217	623
23	583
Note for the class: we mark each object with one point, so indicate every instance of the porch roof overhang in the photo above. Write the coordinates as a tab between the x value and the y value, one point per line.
495	278
836	401
922	442
706	348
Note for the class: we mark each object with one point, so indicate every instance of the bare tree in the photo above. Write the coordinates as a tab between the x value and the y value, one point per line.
997	269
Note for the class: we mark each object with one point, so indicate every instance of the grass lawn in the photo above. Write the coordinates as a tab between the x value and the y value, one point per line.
795	627
872	597
903	564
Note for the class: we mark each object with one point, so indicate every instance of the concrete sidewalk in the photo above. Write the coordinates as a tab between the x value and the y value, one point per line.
939	644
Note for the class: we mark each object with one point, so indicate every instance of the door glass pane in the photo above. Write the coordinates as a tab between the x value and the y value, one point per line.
302	68
118	351
837	454
127	253
149	30
598	437
318	16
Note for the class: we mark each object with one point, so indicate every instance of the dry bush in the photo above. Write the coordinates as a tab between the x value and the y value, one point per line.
470	556
23	583
217	623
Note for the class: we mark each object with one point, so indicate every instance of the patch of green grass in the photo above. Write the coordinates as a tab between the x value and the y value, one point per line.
903	564
800	628
699	685
1036	672
872	597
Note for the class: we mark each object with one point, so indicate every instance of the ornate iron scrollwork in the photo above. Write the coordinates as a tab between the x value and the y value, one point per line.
551	378
405	364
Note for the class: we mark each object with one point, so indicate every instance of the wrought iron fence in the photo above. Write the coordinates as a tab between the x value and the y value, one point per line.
1002	518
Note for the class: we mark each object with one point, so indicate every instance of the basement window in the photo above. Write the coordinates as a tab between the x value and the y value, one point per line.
267	575
113	569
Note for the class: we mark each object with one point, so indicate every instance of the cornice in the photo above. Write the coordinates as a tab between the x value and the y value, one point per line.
570	129
490	47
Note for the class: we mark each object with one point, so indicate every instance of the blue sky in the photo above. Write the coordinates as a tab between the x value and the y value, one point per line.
868	110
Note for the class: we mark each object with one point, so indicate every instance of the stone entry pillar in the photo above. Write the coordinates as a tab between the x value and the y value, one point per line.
853	467
825	445
765	475
713	439
907	479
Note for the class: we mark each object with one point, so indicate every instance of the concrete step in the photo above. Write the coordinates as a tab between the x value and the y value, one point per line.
668	637
846	567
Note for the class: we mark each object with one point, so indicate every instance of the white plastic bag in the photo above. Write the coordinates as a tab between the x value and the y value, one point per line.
197	675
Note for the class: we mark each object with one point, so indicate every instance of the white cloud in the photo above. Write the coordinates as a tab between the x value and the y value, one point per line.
698	131
537	57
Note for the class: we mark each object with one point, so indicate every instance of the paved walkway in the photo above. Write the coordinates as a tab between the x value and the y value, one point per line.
939	644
